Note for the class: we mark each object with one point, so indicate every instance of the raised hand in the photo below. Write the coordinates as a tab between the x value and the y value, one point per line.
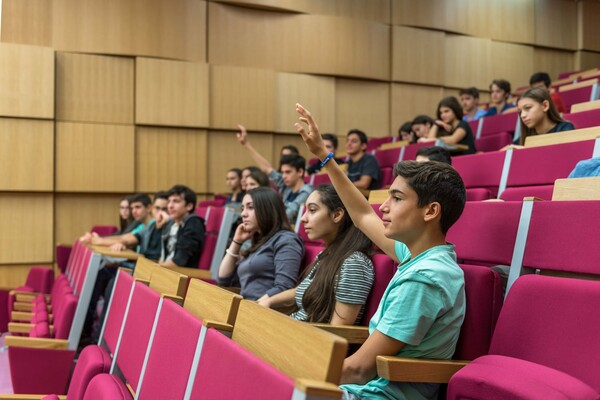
312	138
242	234
161	219
242	135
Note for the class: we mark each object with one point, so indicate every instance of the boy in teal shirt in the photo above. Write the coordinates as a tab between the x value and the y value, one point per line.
423	307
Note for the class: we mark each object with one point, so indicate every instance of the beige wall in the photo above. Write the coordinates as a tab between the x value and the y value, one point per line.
91	110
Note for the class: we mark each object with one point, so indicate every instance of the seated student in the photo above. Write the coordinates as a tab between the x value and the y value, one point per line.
421	126
542	79
499	94
434	153
449	128
271	264
538	115
245	173
234	183
469	99
257	179
423	307
406	133
331	144
363	168
183	230
126	221
337	284
289	182
289	149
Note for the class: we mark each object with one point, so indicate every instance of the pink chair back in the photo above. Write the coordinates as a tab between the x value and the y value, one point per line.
584	119
385	269
107	387
201	211
116	312
311	251
388	157
493	142
579	95
321	179
375	142
63	316
482	171
499	123
104	230
220	202
92	361
410	151
387	176
40	279
63	253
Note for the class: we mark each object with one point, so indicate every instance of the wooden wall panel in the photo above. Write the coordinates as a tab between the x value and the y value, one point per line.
553	61
467	62
168	156
94	157
92	88
316	93
226	152
586	60
26	155
408	101
171	93
555	22
589	29
27	81
242	96
169	29
362	105
38	28
417	55
77	213
512	21
512	62
12	276
27	233
330	45
422	13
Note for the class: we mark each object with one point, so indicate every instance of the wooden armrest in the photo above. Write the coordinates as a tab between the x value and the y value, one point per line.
28	396
318	389
220	326
232	289
353	334
38	343
21	316
127	270
192	272
176	299
27	297
20	306
402	369
144	281
18	327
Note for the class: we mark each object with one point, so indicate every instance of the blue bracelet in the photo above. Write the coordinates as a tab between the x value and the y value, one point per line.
329	157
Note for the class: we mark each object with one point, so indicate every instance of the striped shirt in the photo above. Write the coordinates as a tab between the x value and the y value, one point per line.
353	285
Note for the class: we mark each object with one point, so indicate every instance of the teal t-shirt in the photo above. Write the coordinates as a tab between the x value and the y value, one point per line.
424	307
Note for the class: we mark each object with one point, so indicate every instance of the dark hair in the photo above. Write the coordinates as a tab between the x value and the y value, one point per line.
407	127
540	77
293	149
332	138
260	177
539	95
503	84
361	135
252	168
124	222
270	216
319	299
140	198
188	194
452	103
161	195
472	91
293	160
435	182
422	119
435	153
237	171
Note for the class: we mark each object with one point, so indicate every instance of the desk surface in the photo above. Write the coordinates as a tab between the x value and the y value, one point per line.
106	251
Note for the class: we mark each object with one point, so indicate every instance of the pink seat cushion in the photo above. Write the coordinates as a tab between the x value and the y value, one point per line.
93	360
478	194
40	316
107	387
500	377
41	330
51	397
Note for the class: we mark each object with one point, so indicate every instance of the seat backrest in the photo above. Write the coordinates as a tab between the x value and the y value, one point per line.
578	92
104	230
410	151
107	387
223	373
144	269
552	321
387	176
297	349
213	223
63	316
211	303
584	119
375	142
385	269
480	170
92	361
499	123
166	281
321	179
40	279
543	192
116	310
310	253
484	298
388	157
493	142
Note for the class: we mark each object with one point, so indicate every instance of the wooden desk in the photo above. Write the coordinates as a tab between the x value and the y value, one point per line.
106	251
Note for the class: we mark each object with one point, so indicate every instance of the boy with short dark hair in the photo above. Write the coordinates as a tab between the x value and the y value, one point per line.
422	309
363	169
542	79
434	153
469	99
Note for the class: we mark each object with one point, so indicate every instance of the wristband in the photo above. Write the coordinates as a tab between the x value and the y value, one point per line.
229	253
236	242
326	160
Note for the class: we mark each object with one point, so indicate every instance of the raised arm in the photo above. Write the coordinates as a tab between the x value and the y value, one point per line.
258	158
359	209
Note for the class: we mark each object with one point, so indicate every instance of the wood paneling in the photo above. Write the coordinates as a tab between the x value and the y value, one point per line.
242	96
417	55
408	101
168	156
12	276
170	29
512	62
589	28
26	155
27	81
553	61
512	20
422	13
330	45
555	22
38	28
226	152
171	93
93	88
467	62
586	60
94	157
316	93
362	105
77	213
27	233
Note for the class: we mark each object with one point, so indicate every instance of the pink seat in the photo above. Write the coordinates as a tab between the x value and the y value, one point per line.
63	252
92	361
543	192
478	194
375	142
387	176
220	202
559	314
311	251
202	211
107	387
584	119
496	124
481	171
388	157
39	279
579	95
385	269
493	142
410	151
116	311
320	179
104	230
